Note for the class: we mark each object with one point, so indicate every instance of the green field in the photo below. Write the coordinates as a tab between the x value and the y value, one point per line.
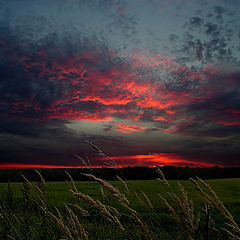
20	206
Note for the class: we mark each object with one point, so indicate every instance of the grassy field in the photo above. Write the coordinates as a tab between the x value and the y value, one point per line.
23	215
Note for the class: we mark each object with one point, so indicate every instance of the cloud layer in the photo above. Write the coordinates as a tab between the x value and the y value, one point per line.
188	96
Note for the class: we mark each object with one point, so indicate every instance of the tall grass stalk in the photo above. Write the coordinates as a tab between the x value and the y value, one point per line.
73	221
183	212
211	198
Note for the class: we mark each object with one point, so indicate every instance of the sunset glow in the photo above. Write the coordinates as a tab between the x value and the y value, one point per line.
109	73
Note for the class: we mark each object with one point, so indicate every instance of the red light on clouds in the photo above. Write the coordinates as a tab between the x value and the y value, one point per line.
126	90
129	128
150	160
160	118
110	101
229	117
159	159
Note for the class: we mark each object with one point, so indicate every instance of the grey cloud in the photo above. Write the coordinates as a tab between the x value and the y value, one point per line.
211	29
215	44
196	22
217	114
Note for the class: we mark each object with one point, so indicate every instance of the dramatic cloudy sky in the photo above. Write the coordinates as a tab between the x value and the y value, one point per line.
150	82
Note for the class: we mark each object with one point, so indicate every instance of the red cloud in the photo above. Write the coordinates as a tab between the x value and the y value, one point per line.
158	159
151	160
84	87
161	118
129	128
230	117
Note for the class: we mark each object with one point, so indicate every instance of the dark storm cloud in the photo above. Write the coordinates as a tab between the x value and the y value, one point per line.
217	112
42	85
206	129
50	144
37	86
26	129
36	82
196	22
211	29
223	152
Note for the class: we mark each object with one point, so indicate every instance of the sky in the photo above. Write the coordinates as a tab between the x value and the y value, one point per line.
149	82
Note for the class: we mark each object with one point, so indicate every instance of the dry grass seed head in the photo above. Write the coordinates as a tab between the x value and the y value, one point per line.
13	224
185	219
73	183
94	146
144	227
171	209
82	160
232	235
113	210
39	191
234	227
82	211
102	192
147	199
139	199
115	192
100	207
162	179
26	180
211	198
203	194
214	201
40	176
186	204
124	184
77	228
61	223
89	163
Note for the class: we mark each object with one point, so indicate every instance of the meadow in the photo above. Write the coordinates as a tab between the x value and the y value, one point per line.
139	209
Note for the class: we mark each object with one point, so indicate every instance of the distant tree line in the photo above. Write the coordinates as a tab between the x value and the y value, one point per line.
126	173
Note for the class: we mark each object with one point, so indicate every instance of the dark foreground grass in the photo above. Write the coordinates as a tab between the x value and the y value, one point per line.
25	210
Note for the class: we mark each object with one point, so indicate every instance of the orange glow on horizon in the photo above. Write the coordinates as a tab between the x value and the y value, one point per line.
150	160
22	165
161	159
